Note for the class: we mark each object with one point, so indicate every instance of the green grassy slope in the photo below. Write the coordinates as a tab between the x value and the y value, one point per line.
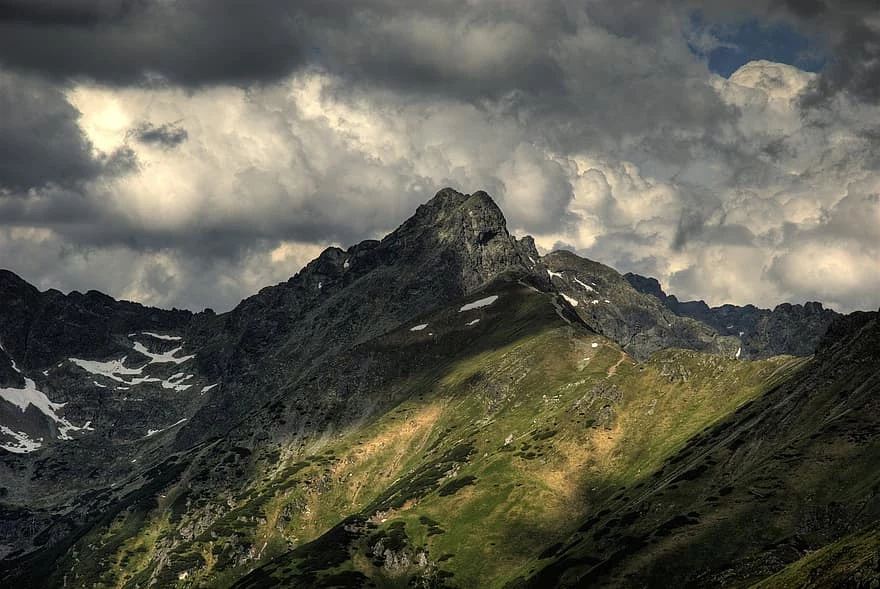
520	450
789	473
852	562
496	460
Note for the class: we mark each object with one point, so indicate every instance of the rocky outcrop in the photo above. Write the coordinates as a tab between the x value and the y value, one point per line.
787	329
281	337
641	324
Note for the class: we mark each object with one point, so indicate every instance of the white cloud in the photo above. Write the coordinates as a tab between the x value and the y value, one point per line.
642	159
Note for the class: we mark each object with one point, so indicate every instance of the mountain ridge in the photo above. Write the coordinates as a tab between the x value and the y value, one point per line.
209	432
786	329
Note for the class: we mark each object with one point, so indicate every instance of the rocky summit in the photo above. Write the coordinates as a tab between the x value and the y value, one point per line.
444	407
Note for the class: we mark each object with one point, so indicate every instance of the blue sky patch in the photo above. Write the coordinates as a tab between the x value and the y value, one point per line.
750	39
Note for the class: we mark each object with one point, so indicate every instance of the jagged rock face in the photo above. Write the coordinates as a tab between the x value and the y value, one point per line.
607	303
39	329
44	393
452	245
787	329
9	377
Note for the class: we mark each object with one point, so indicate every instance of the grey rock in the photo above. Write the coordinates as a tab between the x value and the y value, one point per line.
787	329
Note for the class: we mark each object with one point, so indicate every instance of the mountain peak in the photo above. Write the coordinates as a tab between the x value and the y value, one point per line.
465	234
450	210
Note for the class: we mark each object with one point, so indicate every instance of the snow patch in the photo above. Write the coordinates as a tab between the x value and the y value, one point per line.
153	432
174	382
571	301
474	322
594	345
739	352
551	273
164	357
419	327
30	395
168	338
112	369
586	286
117	371
479	304
22	443
346	264
205	389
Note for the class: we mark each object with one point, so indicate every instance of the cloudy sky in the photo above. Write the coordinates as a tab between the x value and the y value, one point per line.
189	152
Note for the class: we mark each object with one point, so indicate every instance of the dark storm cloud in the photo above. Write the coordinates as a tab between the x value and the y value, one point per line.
449	46
65	12
41	142
856	67
165	136
189	42
453	47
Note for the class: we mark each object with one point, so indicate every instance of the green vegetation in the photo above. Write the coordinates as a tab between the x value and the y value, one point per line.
516	446
853	559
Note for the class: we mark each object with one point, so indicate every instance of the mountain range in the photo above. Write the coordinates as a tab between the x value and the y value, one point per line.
444	407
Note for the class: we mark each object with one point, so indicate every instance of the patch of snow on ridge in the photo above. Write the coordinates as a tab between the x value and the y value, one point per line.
553	274
586	286
30	395
205	389
555	302
112	369
169	338
175	380
153	432
571	301
117	371
22	444
419	327
164	357
474	322
479	304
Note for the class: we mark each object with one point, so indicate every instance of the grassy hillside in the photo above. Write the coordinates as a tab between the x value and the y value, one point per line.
508	435
523	450
789	473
